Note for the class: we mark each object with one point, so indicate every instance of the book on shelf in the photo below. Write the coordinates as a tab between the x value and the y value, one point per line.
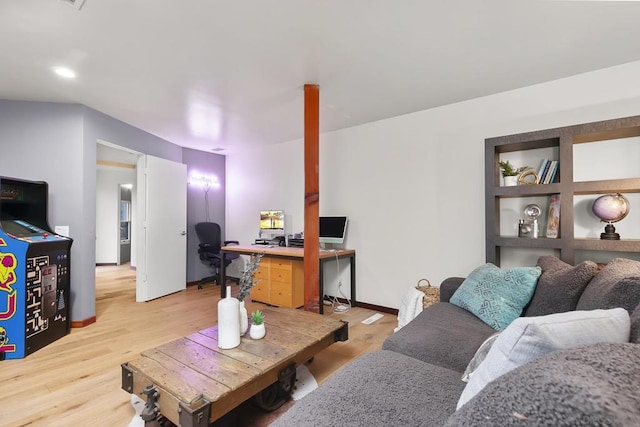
553	218
555	172
547	165
547	171
548	178
541	170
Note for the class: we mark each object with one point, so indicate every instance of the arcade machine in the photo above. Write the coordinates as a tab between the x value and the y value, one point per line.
34	271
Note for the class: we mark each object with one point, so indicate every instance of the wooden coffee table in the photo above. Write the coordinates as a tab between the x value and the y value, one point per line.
191	382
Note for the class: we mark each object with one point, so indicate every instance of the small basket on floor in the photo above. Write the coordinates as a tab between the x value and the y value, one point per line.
431	293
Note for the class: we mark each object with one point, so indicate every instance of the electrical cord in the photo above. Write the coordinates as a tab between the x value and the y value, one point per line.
338	306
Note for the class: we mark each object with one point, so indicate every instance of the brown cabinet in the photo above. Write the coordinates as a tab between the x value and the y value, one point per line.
280	282
560	142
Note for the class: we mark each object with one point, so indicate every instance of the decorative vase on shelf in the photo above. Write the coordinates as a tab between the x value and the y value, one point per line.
510	181
244	319
510	173
228	322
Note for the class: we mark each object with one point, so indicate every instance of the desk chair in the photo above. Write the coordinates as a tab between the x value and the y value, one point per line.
210	235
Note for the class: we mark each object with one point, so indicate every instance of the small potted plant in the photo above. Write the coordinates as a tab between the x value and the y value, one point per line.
257	329
509	173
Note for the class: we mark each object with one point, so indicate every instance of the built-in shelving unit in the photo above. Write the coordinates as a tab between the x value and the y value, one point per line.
561	141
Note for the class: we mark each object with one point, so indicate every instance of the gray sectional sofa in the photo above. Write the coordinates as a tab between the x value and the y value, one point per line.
415	380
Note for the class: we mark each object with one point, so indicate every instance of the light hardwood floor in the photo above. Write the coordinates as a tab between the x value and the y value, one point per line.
76	380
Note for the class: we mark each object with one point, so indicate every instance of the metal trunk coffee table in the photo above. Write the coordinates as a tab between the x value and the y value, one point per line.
191	382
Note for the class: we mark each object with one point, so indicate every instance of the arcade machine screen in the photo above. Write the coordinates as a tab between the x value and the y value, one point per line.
19	228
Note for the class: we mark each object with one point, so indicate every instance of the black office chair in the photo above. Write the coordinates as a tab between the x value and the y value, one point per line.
210	236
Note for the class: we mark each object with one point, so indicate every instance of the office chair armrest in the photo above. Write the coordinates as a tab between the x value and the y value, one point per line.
235	242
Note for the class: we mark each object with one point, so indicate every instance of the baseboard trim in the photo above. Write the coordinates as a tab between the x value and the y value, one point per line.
369	306
83	323
106	264
374	307
212	282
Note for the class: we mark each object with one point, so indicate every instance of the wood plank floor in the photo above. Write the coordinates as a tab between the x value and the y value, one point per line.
76	380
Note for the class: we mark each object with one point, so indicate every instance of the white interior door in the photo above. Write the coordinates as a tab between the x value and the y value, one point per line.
162	225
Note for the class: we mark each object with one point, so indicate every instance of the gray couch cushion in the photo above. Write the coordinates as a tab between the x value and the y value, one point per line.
590	386
382	388
617	285
635	326
443	334
449	287
560	286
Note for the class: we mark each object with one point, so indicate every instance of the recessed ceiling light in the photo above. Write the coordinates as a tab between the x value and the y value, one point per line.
217	149
65	72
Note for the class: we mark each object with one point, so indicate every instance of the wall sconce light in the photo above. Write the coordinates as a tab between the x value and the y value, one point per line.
203	180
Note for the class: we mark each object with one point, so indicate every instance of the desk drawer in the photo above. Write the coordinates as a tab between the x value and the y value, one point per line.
280	298
288	298
261	286
281	264
262	272
260	294
283	276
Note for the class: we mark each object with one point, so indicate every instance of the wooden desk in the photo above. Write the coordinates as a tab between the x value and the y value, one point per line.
295	254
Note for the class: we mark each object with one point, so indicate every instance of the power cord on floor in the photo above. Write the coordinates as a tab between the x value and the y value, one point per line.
338	306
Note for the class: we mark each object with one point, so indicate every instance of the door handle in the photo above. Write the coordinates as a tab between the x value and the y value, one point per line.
184	233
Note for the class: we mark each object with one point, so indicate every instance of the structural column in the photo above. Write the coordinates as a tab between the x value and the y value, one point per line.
311	197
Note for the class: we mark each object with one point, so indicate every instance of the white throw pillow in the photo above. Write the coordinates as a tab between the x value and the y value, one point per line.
478	358
528	338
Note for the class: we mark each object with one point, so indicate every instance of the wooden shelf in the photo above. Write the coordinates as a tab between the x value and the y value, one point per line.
562	139
527	190
622	245
630	185
525	242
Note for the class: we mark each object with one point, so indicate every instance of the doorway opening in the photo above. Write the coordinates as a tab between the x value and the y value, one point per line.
116	182
141	218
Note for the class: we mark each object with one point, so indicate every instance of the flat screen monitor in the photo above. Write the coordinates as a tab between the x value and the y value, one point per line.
333	229
271	220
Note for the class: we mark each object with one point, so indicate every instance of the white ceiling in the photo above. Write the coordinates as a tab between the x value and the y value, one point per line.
229	74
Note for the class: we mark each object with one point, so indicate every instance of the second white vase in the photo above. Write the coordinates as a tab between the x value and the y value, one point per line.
244	319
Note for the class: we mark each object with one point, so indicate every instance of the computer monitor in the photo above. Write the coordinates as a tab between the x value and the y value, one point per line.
333	229
272	220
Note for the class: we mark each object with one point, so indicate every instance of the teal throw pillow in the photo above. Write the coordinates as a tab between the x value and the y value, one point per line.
495	295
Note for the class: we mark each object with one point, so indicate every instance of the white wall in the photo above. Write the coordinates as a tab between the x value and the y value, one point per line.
108	182
413	186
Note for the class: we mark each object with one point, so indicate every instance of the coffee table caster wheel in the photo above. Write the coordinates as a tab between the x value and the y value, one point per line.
274	396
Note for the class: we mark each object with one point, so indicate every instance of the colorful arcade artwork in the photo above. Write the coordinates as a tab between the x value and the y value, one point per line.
8	297
34	271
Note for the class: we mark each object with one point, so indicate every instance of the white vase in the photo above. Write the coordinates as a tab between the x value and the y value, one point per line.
510	181
257	331
244	319
228	321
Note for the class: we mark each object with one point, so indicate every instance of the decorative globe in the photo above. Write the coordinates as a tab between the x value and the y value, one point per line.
611	207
